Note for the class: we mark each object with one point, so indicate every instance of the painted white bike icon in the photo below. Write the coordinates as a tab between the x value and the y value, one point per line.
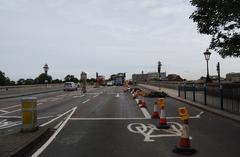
147	130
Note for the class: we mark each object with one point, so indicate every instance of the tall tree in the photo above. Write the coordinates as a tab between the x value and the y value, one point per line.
221	19
42	78
4	81
71	78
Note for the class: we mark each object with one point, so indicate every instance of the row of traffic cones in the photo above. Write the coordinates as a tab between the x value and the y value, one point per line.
183	146
139	95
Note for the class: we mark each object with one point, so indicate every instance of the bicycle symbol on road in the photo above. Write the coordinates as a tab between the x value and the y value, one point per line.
148	130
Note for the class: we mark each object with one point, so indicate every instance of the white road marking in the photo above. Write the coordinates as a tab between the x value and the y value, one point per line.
7	124
147	130
118	95
78	96
10	107
145	113
14	117
95	96
10	112
3	111
43	147
108	118
86	101
52	120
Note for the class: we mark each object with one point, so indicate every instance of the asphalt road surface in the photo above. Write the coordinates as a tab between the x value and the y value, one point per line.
107	122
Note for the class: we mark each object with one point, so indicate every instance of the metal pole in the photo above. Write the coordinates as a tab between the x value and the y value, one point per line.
178	90
205	94
193	87
185	91
207	79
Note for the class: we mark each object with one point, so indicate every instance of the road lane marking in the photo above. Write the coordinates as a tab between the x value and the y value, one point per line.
95	96
108	118
118	95
145	113
147	130
86	101
14	117
10	112
3	111
79	96
52	120
43	147
10	107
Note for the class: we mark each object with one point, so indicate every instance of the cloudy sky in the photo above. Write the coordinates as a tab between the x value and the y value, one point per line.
105	36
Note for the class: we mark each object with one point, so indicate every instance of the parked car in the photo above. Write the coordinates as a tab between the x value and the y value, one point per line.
70	86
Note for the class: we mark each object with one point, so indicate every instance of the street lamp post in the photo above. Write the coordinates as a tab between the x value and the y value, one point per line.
45	68
207	55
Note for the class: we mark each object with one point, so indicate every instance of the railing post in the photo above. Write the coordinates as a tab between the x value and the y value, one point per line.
205	94
221	97
194	89
185	91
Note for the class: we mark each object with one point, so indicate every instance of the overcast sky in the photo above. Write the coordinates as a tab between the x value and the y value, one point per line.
105	36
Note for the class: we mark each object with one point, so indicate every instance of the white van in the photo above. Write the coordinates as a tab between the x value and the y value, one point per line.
70	86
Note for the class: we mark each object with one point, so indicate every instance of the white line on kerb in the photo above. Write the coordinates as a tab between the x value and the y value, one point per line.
43	147
108	118
144	111
85	101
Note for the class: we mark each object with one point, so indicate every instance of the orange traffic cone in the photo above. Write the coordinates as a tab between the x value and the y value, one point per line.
155	113
184	146
163	121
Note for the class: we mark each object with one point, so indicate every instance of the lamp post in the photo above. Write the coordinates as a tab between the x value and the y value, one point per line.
159	69
207	55
45	68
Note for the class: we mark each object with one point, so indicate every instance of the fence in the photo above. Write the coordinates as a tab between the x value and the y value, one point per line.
223	97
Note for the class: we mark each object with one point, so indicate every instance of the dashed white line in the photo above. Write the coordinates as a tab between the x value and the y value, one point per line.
43	147
86	101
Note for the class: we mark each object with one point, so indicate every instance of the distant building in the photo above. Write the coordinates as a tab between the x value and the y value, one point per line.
233	77
151	76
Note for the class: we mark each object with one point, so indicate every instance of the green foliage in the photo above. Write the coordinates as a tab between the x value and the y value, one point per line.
57	81
42	78
221	19
70	78
21	81
4	81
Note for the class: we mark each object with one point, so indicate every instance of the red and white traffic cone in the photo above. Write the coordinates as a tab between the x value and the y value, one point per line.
163	121
155	113
142	103
184	146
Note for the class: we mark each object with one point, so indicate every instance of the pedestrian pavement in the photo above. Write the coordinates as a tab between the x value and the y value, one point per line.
174	94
